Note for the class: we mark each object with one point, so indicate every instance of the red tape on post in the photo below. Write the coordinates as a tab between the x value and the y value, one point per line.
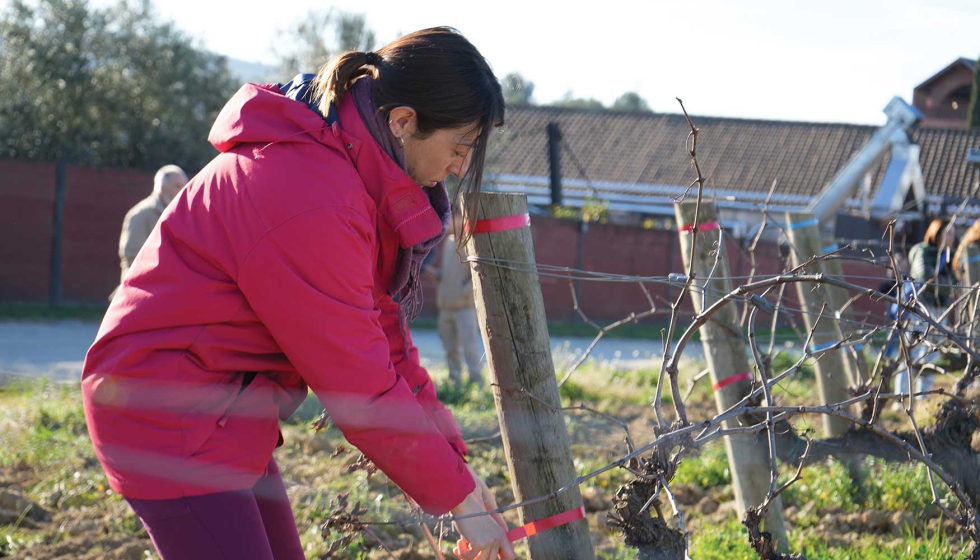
744	376
505	223
539	526
707	226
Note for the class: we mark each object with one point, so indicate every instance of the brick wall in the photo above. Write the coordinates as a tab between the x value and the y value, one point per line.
97	201
26	217
639	252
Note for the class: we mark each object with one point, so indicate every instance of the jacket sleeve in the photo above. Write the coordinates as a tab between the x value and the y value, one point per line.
310	281
405	358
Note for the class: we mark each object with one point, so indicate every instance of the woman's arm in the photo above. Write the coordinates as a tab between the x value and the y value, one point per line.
310	281
405	358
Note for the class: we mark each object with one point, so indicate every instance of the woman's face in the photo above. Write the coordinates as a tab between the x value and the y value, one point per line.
442	153
432	158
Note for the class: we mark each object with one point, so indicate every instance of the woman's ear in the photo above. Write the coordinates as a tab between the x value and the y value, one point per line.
403	121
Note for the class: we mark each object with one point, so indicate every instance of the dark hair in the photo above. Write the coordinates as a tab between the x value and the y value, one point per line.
438	73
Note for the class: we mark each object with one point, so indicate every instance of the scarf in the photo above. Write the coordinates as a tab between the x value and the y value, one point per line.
405	286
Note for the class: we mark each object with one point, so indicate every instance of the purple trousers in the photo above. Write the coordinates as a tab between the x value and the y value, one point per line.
253	524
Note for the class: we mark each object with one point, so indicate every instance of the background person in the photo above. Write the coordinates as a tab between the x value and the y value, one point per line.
932	272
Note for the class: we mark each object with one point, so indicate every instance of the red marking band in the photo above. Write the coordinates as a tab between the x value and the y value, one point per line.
506	223
707	226
548	523
744	376
539	526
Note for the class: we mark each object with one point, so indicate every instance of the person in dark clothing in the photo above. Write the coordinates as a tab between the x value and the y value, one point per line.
931	270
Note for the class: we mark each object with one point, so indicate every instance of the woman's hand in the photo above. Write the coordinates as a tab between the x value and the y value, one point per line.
486	497
487	534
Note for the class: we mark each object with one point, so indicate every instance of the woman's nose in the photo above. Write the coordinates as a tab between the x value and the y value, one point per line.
460	165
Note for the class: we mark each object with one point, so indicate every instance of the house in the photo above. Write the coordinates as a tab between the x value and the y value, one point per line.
945	97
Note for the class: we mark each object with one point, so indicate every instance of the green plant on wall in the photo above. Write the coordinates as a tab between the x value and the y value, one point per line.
658	223
593	209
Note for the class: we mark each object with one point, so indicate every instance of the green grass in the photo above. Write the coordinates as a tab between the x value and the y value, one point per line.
707	470
783	361
728	542
14	540
579	393
828	485
48	424
931	546
42	429
887	486
45	430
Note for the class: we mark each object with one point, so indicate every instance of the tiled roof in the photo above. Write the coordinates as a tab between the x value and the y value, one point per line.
648	151
969	63
944	166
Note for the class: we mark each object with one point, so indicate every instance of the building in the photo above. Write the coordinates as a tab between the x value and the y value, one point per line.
638	163
945	97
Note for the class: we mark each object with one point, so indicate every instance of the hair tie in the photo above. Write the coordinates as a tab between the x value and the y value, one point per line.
372	59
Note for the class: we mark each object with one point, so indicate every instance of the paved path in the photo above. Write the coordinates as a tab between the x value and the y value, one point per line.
55	349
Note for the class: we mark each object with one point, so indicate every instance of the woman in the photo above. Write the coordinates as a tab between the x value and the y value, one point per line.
292	261
929	267
971	236
961	264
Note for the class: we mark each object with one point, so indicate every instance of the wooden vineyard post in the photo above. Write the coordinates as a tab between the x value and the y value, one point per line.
837	301
835	370
971	277
727	358
515	333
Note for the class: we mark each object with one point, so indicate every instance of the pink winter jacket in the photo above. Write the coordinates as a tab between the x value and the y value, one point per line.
276	259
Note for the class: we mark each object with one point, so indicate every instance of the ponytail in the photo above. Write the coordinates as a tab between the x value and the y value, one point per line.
335	78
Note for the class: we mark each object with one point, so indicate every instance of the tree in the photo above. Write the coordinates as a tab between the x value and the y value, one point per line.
631	101
569	102
518	92
105	87
318	37
973	116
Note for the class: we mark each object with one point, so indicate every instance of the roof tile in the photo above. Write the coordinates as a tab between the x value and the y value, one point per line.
735	154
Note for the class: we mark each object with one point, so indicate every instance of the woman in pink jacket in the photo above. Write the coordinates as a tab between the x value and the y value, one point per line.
291	261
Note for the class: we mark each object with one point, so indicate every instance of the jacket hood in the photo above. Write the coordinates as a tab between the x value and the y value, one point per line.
262	114
268	114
